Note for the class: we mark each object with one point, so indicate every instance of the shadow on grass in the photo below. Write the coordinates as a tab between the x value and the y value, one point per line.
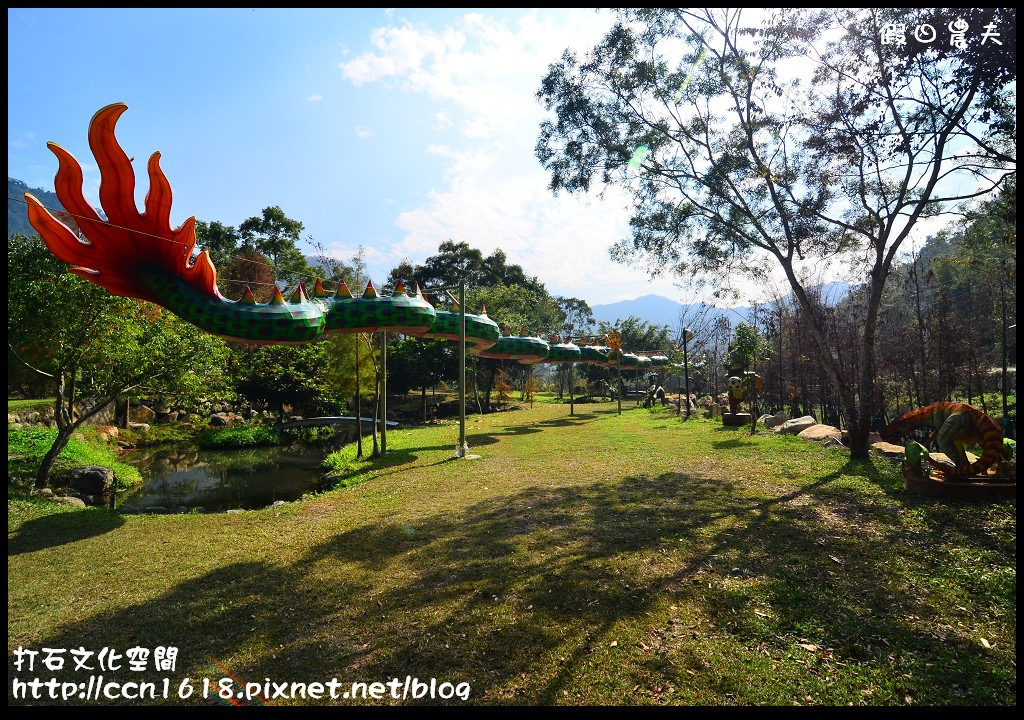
521	595
62	528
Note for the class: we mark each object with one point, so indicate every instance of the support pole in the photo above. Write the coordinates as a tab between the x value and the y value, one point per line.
384	392
619	389
686	369
461	450
571	406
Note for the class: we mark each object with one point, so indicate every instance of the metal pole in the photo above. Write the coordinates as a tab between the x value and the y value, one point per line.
686	369
461	450
384	392
570	389
618	369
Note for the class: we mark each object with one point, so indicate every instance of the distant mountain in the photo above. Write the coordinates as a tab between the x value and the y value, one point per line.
657	310
17	210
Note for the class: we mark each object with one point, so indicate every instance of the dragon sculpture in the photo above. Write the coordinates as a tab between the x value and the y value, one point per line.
140	255
952	427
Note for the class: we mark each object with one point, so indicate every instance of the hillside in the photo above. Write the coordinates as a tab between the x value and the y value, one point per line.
17	213
658	310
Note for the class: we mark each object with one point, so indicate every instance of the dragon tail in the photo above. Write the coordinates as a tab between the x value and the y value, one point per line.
116	251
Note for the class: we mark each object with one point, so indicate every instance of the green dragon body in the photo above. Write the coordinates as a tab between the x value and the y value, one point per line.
140	255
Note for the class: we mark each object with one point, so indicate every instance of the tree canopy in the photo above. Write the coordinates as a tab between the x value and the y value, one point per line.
733	158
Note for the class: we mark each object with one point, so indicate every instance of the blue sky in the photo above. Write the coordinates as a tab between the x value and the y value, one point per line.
393	130
390	130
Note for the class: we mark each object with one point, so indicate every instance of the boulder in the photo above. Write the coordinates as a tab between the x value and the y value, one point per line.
219	420
820	432
887	450
714	411
777	419
90	479
796	425
68	500
141	414
107	432
138	426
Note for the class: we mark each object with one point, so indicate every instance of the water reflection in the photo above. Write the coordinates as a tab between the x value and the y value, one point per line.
217	480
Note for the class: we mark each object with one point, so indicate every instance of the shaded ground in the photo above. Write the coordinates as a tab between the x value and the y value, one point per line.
594	559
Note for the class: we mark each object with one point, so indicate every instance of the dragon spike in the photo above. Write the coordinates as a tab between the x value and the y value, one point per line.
419	292
318	289
370	291
522	331
400	289
483	310
299	296
343	291
507	330
277	298
455	307
247	297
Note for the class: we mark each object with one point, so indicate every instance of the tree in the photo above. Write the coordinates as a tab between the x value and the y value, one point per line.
276	235
94	347
743	163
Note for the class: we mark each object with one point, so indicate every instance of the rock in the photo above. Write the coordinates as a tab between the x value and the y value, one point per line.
834	442
141	414
107	432
714	411
887	450
235	510
277	503
938	458
180	509
78	436
43	493
219	420
123	445
155	509
69	500
199	509
138	426
777	419
796	425
173	416
91	479
820	432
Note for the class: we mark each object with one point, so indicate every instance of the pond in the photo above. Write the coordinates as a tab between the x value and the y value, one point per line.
218	480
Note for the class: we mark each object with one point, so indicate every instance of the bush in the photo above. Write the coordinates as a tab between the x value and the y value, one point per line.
238	436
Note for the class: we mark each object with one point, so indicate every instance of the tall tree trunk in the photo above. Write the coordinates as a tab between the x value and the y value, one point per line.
359	407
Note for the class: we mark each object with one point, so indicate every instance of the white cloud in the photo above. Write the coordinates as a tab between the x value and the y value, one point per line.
494	192
442	121
315	98
363	132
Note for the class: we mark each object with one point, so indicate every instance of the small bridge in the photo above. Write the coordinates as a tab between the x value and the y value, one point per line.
321	421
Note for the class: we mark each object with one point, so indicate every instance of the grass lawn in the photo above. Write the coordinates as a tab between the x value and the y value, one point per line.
594	559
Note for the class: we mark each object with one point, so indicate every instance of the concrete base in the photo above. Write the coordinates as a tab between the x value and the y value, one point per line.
736	418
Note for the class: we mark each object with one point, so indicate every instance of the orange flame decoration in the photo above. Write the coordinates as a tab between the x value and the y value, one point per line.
128	240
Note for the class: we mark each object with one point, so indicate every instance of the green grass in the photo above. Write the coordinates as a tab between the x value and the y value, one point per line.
593	559
20	405
26	448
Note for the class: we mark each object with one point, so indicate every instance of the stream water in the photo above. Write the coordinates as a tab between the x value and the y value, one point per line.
218	480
